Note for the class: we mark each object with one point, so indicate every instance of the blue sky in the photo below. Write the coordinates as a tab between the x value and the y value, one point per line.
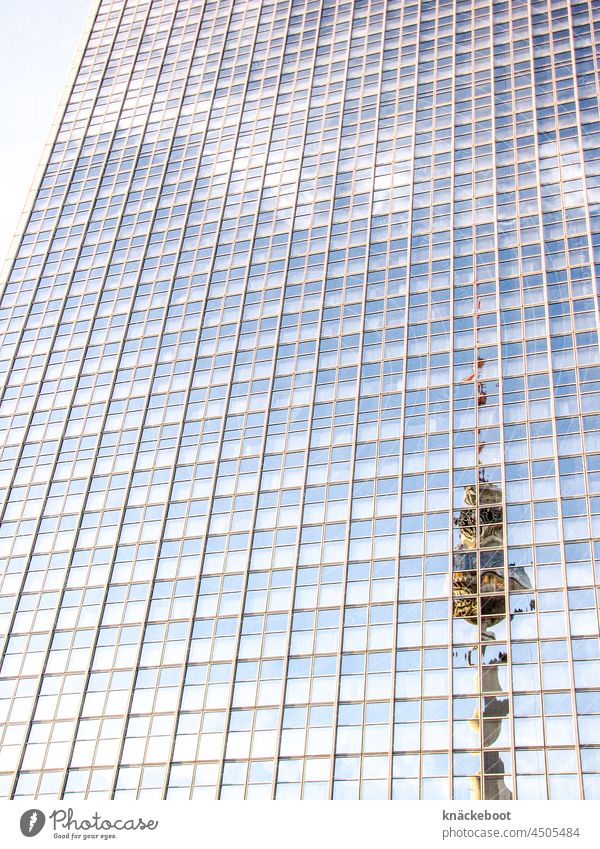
38	42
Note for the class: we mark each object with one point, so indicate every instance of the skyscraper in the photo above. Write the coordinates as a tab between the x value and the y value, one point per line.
300	408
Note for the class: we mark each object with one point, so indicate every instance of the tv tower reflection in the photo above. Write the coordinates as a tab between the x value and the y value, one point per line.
482	581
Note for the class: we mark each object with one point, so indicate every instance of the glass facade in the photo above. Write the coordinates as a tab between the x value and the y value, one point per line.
300	447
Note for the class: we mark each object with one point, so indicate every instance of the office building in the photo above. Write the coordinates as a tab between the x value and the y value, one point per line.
301	409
